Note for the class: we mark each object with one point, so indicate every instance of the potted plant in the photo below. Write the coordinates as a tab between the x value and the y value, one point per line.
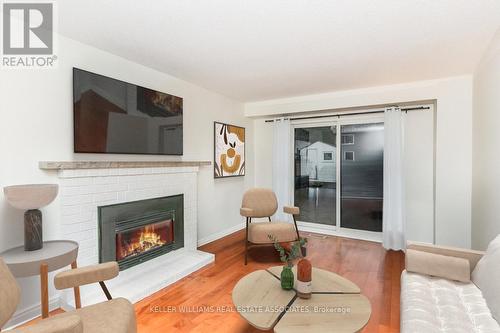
287	256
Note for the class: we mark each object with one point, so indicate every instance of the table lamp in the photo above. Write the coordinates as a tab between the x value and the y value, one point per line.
31	198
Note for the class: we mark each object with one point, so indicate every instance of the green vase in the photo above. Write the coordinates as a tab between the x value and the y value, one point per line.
287	278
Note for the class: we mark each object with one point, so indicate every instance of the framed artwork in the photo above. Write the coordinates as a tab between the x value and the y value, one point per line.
229	150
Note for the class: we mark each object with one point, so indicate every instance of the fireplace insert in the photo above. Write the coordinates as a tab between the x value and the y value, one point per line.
133	232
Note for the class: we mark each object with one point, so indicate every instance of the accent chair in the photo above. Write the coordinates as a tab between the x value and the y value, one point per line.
115	315
262	203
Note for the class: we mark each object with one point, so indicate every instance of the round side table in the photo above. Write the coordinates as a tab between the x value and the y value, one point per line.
53	256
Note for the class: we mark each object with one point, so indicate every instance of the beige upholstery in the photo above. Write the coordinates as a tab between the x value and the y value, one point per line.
452	268
291	210
258	233
246	212
86	275
114	316
9	293
261	201
472	256
58	324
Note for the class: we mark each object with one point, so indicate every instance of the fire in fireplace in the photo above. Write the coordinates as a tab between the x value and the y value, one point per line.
139	240
134	232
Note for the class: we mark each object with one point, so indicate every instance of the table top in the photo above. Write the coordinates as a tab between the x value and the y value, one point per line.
56	254
335	306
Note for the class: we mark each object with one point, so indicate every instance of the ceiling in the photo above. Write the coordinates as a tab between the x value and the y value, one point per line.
264	49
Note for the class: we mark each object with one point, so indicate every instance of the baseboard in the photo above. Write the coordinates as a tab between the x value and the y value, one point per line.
220	234
343	232
31	312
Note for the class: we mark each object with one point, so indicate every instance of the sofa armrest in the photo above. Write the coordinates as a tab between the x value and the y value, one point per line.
471	255
66	324
86	275
291	210
246	212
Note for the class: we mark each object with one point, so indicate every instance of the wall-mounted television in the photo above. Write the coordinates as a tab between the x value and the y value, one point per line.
116	117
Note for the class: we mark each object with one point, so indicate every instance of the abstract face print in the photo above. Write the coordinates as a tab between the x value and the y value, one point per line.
229	160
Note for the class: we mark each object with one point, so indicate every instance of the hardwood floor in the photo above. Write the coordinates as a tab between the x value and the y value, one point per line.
206	294
373	269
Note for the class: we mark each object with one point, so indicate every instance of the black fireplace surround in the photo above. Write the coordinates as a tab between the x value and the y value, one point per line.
134	232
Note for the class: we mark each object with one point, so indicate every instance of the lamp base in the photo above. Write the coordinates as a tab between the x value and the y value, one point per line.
33	233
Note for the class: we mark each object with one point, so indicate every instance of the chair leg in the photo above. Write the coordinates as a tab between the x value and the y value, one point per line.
296	228
246	243
105	290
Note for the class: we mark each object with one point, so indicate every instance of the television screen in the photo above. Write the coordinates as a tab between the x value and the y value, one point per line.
112	116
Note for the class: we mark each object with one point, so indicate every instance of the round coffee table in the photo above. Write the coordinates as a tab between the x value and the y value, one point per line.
336	304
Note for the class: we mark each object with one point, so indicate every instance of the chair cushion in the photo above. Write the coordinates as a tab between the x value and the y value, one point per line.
258	232
486	276
432	305
117	316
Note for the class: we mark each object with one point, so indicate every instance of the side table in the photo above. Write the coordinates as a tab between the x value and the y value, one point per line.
53	256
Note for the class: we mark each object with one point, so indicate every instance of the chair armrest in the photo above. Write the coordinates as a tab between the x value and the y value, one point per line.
86	275
66	324
291	210
471	255
247	212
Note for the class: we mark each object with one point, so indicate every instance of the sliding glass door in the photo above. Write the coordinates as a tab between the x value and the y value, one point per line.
338	173
362	175
315	173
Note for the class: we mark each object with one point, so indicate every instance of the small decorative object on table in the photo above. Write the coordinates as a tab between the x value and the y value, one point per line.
287	256
304	278
31	198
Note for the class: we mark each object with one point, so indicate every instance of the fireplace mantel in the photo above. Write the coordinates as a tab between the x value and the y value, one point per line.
76	165
85	186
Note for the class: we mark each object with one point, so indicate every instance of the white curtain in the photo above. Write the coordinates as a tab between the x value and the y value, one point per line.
394	224
281	165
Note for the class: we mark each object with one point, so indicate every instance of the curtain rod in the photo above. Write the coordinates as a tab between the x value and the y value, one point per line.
352	114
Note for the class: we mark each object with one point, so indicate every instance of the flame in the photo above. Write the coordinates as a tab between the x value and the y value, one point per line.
148	239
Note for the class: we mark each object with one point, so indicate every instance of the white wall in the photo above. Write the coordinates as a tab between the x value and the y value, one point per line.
36	125
419	175
486	159
453	169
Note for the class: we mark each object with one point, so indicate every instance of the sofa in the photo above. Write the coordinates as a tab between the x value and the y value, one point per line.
450	290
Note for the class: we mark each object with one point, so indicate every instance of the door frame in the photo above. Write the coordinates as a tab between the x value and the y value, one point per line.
337	229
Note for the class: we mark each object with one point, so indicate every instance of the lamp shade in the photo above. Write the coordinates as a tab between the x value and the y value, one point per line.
31	196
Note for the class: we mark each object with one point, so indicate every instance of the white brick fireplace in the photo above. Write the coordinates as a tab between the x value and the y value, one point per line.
85	186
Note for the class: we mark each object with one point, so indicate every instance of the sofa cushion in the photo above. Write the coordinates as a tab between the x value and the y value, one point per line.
432	305
451	268
486	276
